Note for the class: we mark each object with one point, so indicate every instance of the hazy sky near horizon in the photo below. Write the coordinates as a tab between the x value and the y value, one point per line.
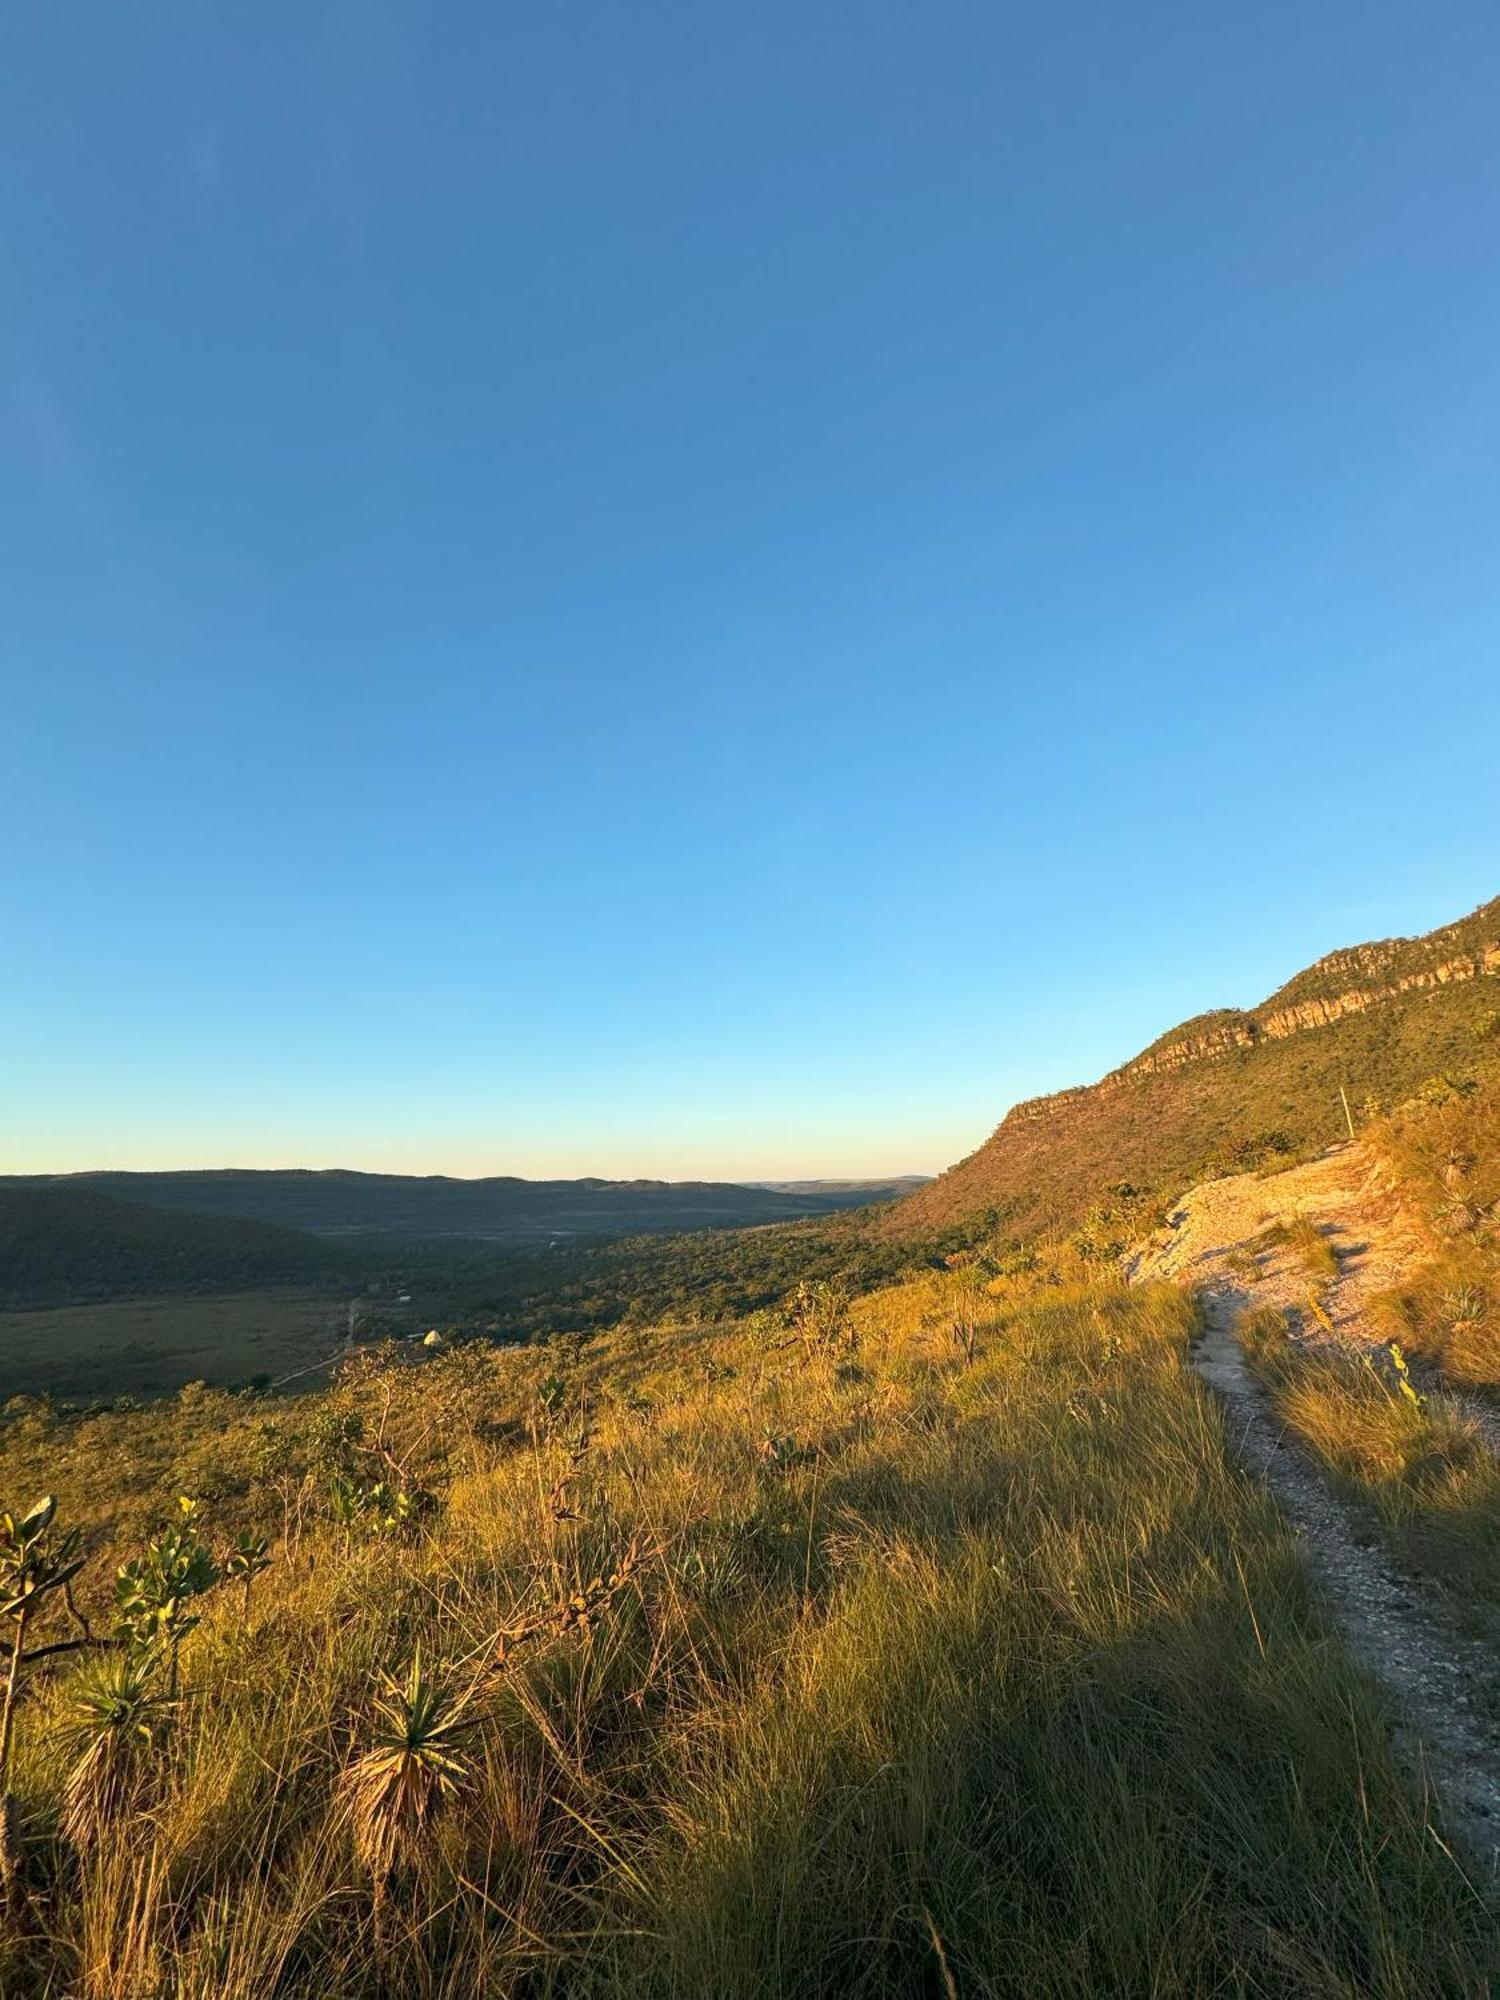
677	590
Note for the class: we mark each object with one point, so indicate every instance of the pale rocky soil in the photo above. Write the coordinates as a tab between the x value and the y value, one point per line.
1217	1227
1342	1192
1444	1688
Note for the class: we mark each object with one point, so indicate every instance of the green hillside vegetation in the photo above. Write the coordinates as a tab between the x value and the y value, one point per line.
709	1276
1126	1146
924	1644
1445	1157
64	1243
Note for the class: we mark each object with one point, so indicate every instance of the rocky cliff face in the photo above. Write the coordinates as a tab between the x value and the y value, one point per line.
1240	1034
1380	1018
1484	963
1375	974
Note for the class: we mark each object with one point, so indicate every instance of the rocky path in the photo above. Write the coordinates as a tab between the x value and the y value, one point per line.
1394	1623
1216	1237
1341	1192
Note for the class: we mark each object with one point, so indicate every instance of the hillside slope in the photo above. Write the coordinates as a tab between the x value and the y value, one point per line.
862	1670
62	1244
1232	1088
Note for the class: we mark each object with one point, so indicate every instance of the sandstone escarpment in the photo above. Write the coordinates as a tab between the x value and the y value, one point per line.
1284	1014
1236	1086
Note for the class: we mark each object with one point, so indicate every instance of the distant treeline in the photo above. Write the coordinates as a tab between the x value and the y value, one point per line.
706	1276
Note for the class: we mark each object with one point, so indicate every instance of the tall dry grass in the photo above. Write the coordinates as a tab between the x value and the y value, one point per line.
1412	1457
1444	1160
937	1666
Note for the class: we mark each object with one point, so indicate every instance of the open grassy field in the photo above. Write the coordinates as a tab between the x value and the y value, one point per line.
146	1346
878	1651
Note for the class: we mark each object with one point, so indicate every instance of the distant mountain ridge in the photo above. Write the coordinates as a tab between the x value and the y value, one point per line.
498	1209
868	1190
1375	1020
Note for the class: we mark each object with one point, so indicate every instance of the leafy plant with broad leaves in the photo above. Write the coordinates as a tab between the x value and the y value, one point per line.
154	1593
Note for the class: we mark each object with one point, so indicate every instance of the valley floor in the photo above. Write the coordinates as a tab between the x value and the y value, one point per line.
150	1346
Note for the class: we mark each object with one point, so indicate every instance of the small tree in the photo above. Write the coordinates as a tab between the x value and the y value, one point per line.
153	1593
819	1315
965	1300
34	1567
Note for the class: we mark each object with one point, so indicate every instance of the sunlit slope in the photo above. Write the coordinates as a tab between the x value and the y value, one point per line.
827	1657
1232	1088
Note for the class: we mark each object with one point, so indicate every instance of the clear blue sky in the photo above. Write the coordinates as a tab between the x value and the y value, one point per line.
705	590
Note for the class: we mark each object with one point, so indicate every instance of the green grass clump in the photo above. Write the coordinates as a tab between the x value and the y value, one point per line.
1416	1462
1444	1158
718	1662
1318	1257
1448	1313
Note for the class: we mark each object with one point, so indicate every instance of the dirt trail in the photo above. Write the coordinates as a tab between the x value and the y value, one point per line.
1394	1623
1342	1192
1216	1236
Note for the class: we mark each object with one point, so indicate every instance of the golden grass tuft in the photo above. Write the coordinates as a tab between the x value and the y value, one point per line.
998	1678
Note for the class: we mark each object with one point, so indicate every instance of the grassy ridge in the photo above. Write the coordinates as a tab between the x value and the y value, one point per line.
1242	1108
924	1676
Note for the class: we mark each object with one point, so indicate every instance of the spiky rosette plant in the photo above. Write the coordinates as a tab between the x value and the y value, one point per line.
114	1717
398	1790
